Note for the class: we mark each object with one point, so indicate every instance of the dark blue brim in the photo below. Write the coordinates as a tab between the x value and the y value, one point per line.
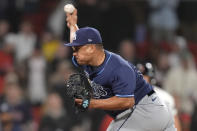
73	44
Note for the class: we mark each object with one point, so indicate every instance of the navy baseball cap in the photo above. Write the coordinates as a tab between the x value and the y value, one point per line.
86	35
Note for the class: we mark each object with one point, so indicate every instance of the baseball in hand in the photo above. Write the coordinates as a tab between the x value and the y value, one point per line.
69	8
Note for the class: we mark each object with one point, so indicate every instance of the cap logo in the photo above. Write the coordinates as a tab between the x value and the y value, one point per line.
89	40
74	36
83	36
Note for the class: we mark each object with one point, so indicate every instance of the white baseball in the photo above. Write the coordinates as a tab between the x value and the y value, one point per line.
69	8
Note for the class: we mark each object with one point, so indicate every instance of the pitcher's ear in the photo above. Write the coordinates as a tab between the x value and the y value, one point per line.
91	48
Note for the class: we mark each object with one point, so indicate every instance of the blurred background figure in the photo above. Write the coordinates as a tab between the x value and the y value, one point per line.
181	82
55	117
57	81
37	89
62	54
162	67
15	109
127	50
6	63
4	29
163	20
57	19
49	45
177	47
148	72
61	74
25	42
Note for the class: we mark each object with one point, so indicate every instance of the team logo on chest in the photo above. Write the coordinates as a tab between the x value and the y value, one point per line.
98	90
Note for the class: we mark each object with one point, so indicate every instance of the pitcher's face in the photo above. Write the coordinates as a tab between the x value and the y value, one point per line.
83	54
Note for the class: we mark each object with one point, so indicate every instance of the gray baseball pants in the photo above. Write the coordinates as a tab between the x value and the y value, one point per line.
150	114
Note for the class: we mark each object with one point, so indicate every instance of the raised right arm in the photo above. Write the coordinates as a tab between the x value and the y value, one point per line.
72	23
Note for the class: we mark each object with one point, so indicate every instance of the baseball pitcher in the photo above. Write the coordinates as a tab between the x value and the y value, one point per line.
117	85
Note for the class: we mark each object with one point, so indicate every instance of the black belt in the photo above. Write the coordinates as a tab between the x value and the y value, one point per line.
151	92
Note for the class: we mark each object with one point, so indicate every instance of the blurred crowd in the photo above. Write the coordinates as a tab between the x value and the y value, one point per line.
34	63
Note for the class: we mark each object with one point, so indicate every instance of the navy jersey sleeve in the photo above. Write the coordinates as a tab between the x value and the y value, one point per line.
123	82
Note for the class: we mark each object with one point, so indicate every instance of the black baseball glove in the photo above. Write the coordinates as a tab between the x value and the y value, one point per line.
78	86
